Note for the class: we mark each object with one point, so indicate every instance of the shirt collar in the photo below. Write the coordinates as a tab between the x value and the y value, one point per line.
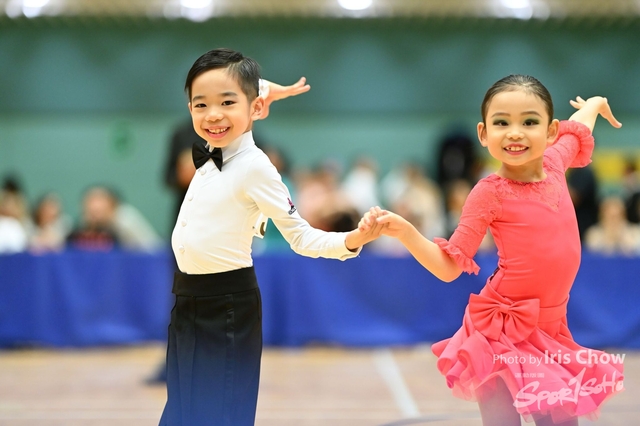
240	144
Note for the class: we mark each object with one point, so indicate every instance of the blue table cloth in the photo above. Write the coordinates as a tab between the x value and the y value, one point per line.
77	298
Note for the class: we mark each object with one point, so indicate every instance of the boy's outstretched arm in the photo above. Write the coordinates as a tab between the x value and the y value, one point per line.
271	92
428	253
589	110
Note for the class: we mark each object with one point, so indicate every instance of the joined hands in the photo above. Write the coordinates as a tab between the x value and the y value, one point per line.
384	222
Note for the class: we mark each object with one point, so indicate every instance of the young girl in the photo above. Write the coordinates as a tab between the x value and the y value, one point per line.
514	353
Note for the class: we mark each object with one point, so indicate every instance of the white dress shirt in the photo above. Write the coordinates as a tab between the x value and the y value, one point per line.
219	214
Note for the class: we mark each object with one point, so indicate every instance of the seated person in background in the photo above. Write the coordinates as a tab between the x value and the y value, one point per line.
133	230
96	230
107	223
50	225
613	233
409	190
631	189
13	235
14	220
179	168
360	184
321	200
583	189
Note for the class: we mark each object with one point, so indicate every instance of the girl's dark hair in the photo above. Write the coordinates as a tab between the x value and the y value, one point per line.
245	70
518	82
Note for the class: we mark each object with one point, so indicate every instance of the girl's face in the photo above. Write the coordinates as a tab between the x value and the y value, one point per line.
517	131
219	108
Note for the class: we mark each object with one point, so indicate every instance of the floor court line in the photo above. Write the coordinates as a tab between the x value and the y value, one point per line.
391	374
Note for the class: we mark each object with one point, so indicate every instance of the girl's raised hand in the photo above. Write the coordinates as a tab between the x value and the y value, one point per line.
274	92
588	111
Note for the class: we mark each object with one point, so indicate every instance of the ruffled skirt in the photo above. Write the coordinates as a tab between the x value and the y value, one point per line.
532	351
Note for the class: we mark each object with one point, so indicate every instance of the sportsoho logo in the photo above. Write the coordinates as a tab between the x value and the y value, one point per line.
531	394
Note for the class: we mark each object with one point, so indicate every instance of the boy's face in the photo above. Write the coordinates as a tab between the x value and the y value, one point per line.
219	108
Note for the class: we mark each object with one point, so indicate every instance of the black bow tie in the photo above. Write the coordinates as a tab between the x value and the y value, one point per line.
201	155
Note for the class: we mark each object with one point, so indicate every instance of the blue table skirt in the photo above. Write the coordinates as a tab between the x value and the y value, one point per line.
87	299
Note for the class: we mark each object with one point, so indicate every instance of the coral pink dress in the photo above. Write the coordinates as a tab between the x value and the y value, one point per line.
516	328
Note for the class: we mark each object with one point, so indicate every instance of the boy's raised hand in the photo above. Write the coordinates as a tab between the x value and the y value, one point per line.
588	111
275	92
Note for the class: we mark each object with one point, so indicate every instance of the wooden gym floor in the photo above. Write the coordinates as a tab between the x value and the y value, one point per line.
315	386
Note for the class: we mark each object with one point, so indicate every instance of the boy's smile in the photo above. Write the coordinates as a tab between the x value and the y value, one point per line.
220	109
217	132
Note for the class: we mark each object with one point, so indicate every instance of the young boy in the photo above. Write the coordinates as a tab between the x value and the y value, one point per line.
215	335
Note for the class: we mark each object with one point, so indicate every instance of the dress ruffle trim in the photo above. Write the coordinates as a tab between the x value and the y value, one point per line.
465	263
582	132
545	376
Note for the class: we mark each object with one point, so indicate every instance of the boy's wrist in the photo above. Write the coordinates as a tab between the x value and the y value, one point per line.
354	240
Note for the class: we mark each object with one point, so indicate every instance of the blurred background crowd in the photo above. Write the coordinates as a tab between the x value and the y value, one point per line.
331	195
92	112
105	222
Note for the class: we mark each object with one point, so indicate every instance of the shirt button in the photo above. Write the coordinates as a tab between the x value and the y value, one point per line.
190	197
183	222
181	249
202	171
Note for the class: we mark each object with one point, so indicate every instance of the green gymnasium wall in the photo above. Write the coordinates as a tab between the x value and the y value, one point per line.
86	101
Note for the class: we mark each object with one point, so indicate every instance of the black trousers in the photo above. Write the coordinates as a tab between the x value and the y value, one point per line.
214	350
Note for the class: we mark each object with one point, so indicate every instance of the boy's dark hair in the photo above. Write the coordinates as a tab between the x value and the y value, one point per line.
245	70
518	82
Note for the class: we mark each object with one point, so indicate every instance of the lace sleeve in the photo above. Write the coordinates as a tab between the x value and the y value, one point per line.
480	209
574	145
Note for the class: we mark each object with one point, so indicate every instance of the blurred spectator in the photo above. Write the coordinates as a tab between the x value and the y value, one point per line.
14	220
50	226
321	201
107	223
179	168
408	192
630	177
360	184
457	158
13	236
456	193
632	207
583	188
133	230
15	201
631	187
613	234
96	230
